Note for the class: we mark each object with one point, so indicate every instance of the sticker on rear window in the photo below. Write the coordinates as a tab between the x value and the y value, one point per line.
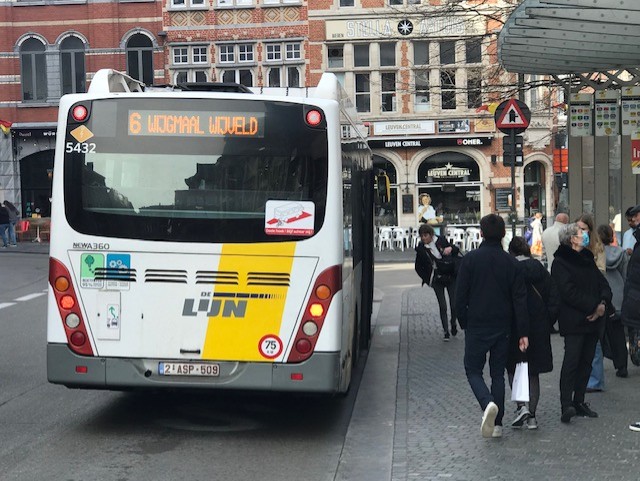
286	217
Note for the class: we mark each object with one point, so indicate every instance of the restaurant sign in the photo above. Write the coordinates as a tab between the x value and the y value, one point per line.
448	172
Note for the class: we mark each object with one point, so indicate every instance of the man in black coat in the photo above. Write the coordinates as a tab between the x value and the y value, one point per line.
438	252
491	303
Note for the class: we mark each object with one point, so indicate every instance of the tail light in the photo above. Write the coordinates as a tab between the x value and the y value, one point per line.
328	283
69	308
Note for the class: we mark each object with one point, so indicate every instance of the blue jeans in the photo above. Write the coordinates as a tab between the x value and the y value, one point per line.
477	343
3	233
596	379
12	232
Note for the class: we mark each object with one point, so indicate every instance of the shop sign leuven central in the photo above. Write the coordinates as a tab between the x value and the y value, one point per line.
448	172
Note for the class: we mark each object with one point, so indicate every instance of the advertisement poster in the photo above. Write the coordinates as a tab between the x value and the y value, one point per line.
630	110
607	114
580	122
635	152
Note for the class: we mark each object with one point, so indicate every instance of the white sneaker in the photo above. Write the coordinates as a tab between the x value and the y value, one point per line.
522	414
635	426
497	432
489	420
532	423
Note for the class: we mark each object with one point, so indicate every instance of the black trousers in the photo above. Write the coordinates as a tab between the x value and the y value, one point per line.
439	288
579	350
616	342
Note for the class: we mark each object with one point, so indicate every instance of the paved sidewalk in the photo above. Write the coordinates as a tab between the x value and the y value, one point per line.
27	248
437	428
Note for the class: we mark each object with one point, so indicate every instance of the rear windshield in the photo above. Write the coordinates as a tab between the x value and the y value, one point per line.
193	170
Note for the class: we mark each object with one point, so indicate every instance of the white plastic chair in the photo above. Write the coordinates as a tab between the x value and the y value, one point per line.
398	237
407	237
457	238
384	238
415	237
474	239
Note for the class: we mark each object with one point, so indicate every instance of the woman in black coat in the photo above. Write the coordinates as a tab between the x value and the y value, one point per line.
542	305
584	293
431	251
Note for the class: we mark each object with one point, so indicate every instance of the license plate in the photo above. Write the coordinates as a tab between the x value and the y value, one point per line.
188	369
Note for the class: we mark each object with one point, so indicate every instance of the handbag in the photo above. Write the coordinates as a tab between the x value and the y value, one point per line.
520	385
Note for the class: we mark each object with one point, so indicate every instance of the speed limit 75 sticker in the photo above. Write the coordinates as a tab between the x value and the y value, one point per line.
270	346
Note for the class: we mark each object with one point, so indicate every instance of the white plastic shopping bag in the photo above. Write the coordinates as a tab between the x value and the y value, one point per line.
520	387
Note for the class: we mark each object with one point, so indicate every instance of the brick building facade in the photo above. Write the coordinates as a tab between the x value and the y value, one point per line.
417	76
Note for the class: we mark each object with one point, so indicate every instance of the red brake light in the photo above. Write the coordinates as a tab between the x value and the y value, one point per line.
79	113
314	117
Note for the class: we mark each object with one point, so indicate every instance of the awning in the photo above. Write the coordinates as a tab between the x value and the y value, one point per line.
571	36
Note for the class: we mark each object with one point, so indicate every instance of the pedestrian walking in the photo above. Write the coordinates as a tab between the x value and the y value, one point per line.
536	236
4	225
491	303
584	293
614	344
631	297
13	220
542	306
436	264
551	237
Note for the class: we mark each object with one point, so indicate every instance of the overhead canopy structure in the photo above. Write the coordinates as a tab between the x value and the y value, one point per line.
571	36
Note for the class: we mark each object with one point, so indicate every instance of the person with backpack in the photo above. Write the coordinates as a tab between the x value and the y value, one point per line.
436	264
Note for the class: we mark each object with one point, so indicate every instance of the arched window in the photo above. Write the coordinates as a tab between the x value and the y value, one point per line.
140	58
72	65
33	70
534	189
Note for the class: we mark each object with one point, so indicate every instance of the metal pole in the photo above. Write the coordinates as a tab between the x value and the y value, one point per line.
512	137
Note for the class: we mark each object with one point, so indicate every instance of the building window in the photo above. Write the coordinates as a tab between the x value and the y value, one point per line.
473	48
387	54
239	76
245	53
421	53
190	56
335	55
404	2
235	3
235	53
292	51
422	99
187	3
363	92
278	2
474	88
274	52
184	76
448	88
284	76
72	65
347	3
448	52
33	70
140	58
361	55
388	91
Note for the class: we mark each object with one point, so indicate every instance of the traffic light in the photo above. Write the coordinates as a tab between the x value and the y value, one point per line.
511	150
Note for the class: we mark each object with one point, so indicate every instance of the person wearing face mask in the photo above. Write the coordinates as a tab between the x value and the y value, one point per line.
584	294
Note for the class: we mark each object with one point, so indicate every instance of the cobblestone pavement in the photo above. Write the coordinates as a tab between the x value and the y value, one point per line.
437	434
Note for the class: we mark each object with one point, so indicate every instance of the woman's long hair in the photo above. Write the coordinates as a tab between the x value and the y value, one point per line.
595	244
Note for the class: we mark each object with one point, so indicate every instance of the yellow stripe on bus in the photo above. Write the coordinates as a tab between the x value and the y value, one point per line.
256	310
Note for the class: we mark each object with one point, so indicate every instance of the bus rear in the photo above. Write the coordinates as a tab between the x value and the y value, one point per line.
197	241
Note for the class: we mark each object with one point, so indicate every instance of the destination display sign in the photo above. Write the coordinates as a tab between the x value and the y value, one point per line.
195	124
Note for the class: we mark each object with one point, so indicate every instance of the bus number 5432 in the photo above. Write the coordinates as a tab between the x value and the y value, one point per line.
80	147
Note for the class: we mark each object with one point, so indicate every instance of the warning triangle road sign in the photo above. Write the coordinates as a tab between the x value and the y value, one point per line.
514	115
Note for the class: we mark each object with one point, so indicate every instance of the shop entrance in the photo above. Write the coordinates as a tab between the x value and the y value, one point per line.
452	180
36	174
534	191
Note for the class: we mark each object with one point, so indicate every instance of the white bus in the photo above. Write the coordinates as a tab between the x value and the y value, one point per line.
209	237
